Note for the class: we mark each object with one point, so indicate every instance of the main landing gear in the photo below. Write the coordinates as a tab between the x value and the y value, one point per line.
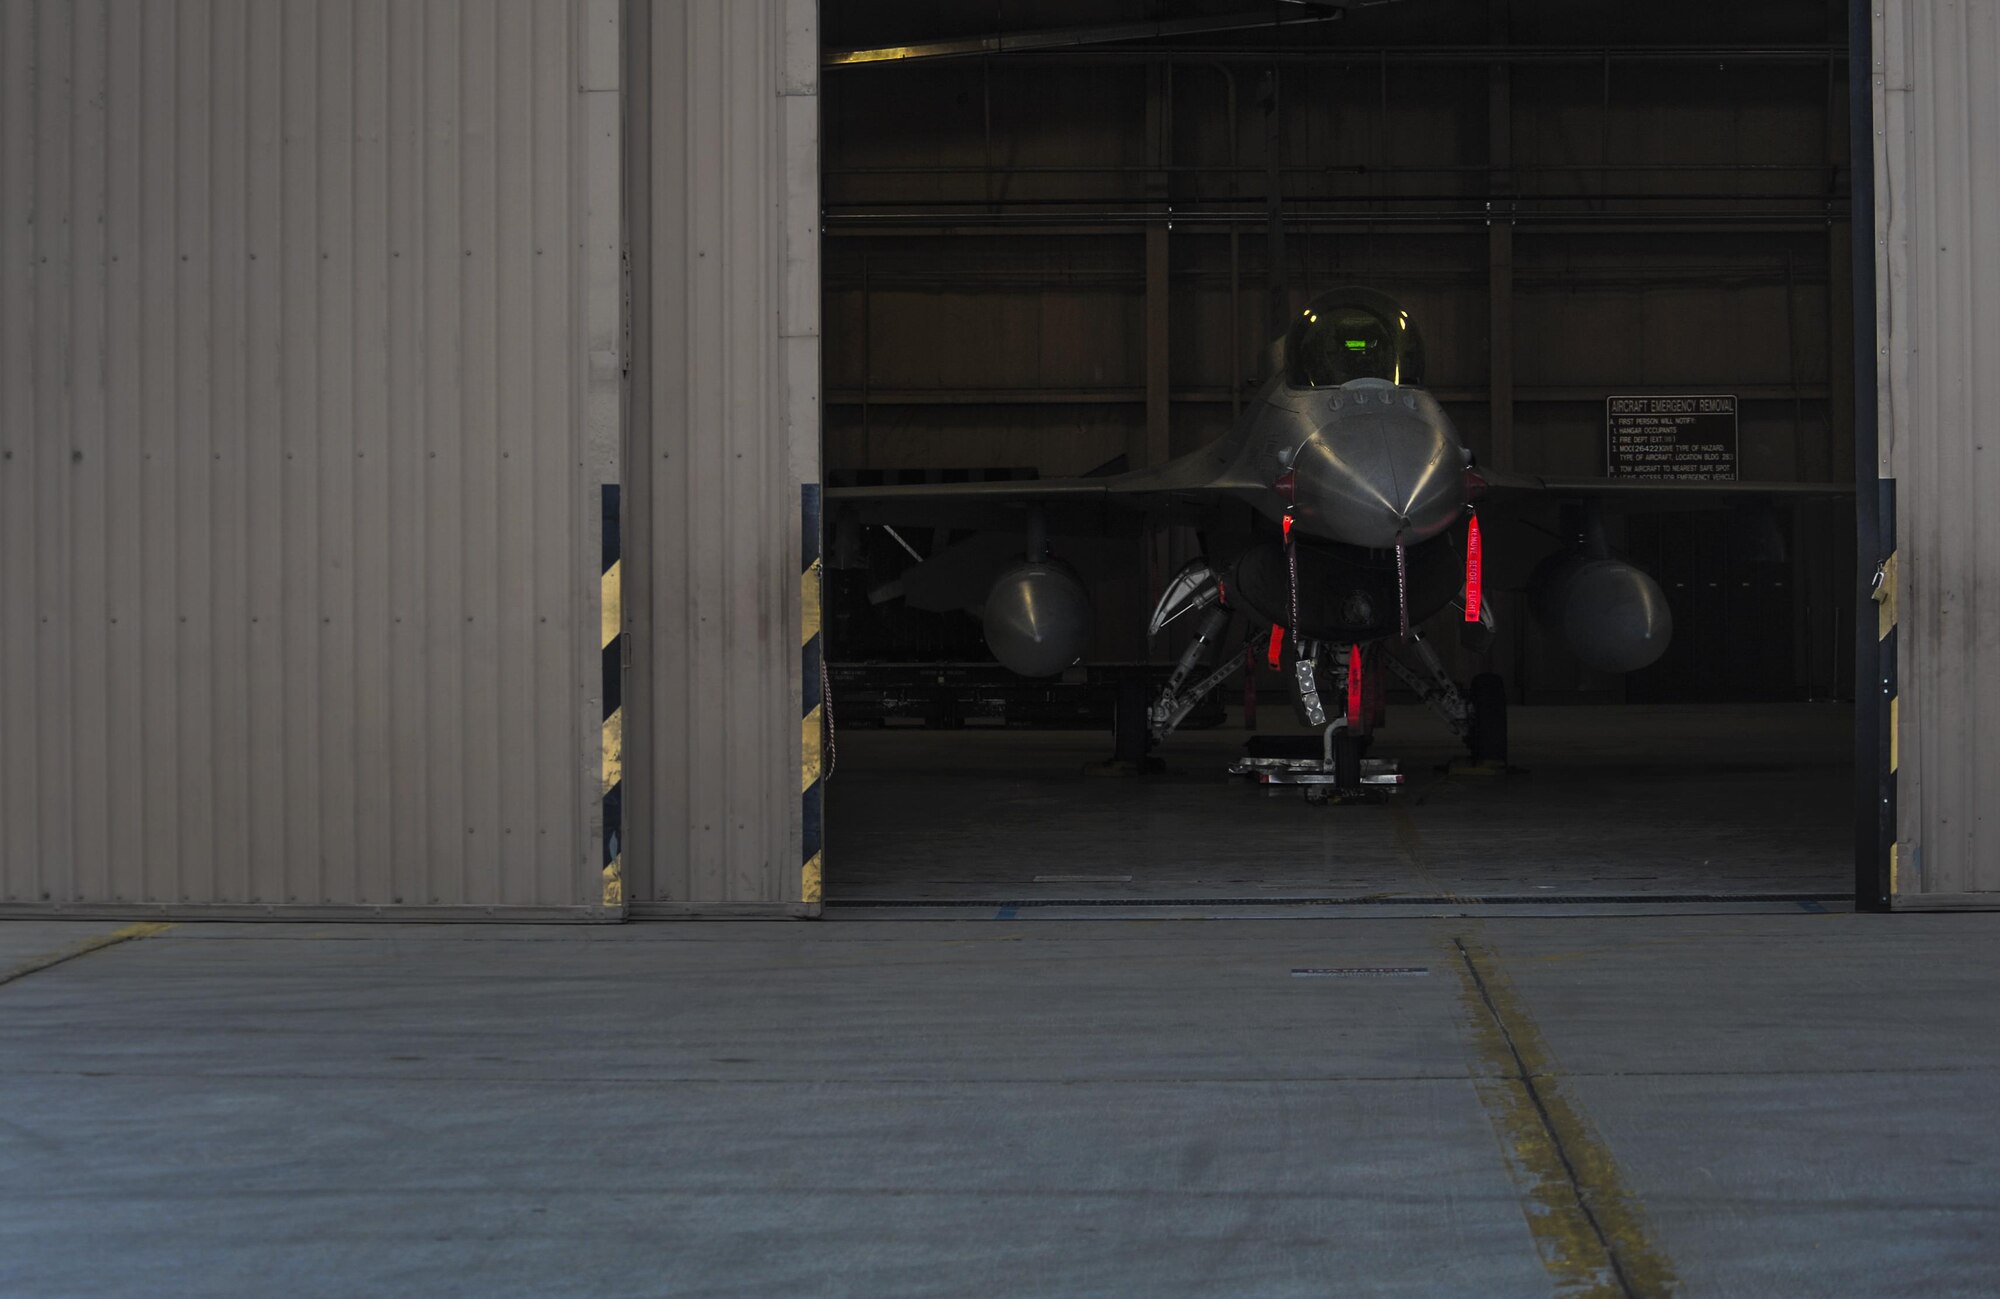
1477	715
1486	735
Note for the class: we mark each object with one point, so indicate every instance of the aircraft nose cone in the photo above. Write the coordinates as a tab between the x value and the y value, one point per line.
1375	476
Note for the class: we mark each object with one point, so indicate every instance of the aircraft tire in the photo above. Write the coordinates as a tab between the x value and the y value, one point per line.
1347	761
1488	736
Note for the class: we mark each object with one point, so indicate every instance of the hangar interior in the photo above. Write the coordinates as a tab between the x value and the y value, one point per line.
1058	241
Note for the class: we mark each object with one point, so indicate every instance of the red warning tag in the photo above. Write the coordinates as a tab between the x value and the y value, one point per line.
1472	567
1353	687
1277	644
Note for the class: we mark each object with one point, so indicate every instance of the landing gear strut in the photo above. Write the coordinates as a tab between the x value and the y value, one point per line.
1195	587
1477	715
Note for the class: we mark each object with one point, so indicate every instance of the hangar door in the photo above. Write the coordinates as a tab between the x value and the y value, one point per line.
723	442
1937	172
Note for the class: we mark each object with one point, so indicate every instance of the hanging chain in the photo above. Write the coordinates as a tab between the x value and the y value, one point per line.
1292	569
826	705
1403	587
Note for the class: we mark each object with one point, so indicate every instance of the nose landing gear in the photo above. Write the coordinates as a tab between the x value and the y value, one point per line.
1333	762
1331	766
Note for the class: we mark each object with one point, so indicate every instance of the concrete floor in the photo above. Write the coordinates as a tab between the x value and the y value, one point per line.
1637	804
1755	1105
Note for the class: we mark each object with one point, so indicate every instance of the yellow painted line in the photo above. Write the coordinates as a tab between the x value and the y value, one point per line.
614	882
1885	598
611	602
614	748
85	948
1586	1222
809	602
1895	732
1895	861
809	878
809	748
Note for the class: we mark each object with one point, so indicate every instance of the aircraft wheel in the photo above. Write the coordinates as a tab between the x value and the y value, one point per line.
1488	737
1347	760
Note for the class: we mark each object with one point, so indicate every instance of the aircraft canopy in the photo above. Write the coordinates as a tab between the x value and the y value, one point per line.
1348	334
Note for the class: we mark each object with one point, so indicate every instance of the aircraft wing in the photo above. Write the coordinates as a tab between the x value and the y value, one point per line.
1180	487
1028	491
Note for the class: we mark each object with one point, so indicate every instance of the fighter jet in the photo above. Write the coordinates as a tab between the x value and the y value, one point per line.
1339	515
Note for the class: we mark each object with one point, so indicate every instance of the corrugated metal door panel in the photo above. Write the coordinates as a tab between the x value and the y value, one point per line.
299	582
21	816
398	555
1980	344
262	567
725	449
1938	182
125	457
230	538
89	477
449	410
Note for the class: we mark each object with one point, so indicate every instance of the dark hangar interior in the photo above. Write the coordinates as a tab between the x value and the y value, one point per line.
1059	240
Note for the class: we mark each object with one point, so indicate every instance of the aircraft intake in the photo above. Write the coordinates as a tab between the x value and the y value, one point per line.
1037	618
1613	617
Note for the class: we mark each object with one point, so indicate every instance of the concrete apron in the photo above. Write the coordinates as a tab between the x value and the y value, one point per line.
1422	1107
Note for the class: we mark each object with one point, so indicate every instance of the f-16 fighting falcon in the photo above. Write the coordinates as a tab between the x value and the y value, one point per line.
1340	513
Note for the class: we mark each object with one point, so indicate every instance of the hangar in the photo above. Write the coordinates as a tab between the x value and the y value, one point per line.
425	429
533	462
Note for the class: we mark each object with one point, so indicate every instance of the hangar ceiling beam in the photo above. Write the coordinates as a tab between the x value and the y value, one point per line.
1065	38
1324	169
1216	395
1433	55
897	224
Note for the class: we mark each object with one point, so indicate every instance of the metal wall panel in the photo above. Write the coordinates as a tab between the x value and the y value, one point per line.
723	184
1937	168
298	569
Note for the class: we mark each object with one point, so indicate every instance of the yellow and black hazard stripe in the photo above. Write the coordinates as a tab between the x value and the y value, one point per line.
611	641
812	680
